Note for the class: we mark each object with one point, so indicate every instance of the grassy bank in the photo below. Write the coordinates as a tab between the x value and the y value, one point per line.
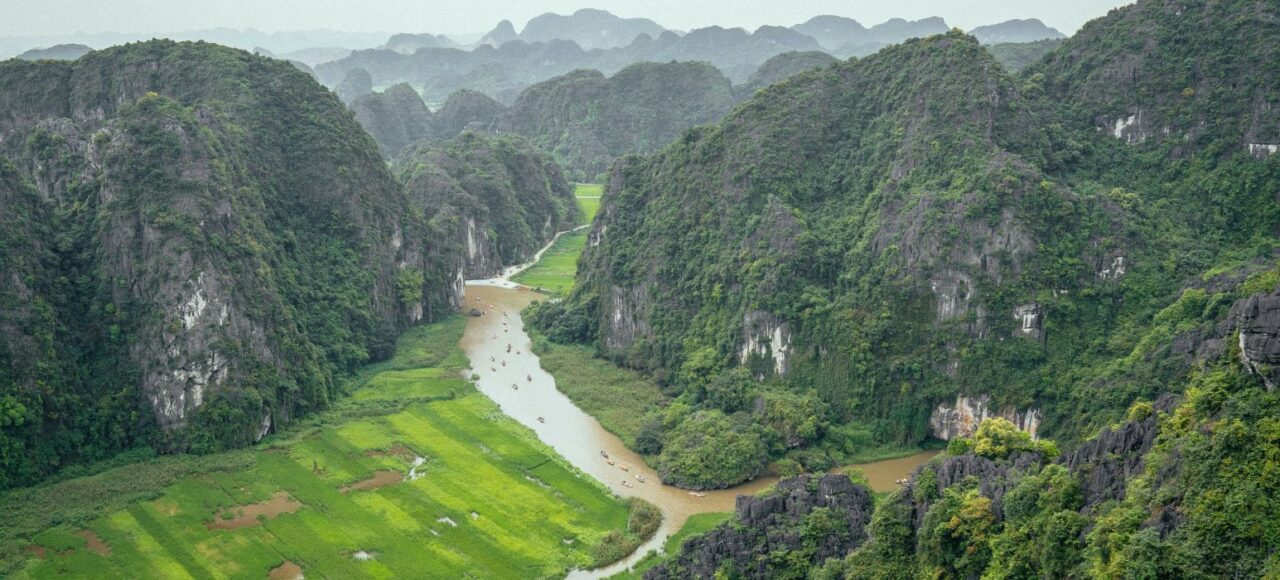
339	496
617	397
554	273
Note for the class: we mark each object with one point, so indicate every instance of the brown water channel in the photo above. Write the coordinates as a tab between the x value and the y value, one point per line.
514	379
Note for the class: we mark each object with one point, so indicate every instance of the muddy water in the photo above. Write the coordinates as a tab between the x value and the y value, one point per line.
571	432
884	475
514	379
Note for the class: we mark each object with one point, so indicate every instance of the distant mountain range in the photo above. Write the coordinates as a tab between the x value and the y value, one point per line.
505	61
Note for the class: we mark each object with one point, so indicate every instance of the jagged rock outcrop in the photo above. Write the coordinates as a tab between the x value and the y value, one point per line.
830	510
394	118
1105	464
962	419
497	200
237	245
1257	319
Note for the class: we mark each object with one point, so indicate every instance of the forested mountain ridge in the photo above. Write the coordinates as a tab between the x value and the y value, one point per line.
587	120
204	241
503	198
916	239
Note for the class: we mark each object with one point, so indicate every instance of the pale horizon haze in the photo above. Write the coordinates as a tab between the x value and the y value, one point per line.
35	18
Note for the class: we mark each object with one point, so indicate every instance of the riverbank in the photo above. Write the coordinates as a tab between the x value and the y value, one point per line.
415	474
553	273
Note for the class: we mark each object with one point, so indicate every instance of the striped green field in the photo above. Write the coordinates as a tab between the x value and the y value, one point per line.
488	499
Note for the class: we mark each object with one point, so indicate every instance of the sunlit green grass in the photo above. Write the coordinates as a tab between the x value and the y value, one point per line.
555	272
520	511
588	195
617	397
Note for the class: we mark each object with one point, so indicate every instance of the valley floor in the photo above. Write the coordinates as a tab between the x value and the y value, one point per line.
416	474
554	273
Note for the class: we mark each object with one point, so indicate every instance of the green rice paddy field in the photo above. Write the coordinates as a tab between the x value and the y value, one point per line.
339	497
554	273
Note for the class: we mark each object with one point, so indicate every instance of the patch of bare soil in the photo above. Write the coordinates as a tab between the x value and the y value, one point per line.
379	479
286	571
95	543
245	516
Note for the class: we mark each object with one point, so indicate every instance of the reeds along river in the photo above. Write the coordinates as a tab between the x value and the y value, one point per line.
510	374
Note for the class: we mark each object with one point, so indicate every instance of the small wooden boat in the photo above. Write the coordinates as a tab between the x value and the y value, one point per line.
609	461
697	494
624	468
529	378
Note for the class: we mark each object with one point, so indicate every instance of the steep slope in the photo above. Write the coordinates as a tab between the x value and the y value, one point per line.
782	67
1029	30
465	110
907	243
394	118
587	120
355	83
216	243
499	200
1185	75
1017	56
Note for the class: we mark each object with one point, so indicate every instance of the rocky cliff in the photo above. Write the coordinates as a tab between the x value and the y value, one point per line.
221	254
801	522
835	212
498	200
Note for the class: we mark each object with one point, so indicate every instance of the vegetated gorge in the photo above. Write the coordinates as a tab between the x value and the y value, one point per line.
937	310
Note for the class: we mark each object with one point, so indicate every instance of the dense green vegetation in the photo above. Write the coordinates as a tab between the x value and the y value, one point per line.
500	198
554	273
587	120
1016	56
864	242
489	499
615	396
203	216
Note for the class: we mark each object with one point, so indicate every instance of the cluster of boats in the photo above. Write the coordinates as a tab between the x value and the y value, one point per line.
625	483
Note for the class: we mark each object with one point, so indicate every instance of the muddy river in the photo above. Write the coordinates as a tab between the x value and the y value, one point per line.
510	374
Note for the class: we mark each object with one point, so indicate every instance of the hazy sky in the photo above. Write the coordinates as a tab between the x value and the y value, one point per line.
59	17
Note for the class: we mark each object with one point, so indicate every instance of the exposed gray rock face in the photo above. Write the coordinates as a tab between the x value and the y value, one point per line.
1258	320
773	521
962	419
1104	464
764	335
995	478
